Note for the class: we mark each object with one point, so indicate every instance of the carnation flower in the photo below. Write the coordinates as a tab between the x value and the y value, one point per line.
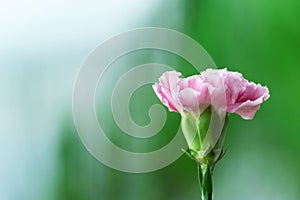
204	102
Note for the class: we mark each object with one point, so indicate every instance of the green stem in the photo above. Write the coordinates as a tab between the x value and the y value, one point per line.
205	181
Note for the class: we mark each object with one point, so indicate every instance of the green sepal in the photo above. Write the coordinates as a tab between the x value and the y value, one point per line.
189	124
190	153
204	121
195	128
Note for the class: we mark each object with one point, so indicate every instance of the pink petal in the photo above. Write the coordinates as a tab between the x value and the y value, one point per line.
167	90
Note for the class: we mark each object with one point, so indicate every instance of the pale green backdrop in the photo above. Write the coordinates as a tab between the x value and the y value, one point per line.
42	47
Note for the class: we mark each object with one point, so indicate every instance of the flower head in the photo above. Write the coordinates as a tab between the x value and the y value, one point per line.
222	89
204	100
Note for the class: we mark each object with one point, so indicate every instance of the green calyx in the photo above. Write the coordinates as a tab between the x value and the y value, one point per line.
195	129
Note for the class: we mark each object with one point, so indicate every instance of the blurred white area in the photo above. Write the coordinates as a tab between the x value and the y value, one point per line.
42	45
48	24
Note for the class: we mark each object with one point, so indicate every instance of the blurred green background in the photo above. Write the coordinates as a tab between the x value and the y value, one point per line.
42	47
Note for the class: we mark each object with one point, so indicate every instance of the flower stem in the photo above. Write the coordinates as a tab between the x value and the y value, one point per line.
205	181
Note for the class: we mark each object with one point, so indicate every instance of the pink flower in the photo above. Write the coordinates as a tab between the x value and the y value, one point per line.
226	91
204	101
190	94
